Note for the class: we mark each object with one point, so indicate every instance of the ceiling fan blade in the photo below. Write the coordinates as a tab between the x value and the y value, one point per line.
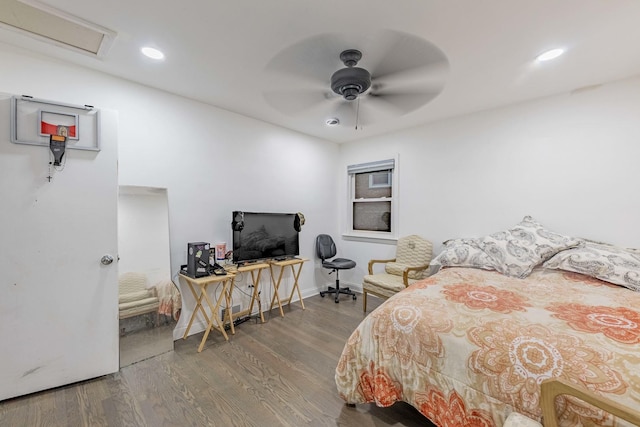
286	81
430	77
293	102
399	52
313	60
407	73
400	103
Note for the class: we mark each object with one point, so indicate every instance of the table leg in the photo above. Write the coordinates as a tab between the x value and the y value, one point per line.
229	310
295	287
256	294
198	306
276	286
214	315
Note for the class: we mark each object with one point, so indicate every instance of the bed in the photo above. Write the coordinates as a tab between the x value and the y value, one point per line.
472	343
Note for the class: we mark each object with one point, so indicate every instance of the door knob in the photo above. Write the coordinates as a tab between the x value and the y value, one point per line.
106	260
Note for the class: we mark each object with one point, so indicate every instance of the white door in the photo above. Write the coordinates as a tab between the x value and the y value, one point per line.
58	303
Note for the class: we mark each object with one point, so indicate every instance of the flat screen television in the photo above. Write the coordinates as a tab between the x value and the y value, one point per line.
260	236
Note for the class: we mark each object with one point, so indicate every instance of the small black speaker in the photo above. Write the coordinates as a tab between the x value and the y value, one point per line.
198	259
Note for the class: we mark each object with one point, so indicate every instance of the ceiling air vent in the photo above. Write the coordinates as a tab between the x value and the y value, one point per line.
54	26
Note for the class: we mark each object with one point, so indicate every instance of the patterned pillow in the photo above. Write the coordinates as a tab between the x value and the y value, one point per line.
463	253
602	261
516	251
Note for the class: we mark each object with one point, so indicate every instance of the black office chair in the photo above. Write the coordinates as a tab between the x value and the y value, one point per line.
326	249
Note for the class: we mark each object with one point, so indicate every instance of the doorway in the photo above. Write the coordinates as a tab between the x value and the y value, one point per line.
149	302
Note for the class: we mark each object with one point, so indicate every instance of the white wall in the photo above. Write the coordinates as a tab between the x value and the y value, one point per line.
211	161
570	161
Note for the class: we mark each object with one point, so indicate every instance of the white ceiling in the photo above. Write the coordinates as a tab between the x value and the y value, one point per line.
224	52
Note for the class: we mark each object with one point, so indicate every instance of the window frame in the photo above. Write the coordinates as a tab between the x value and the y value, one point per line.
379	165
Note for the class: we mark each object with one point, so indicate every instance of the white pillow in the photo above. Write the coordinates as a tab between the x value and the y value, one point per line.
463	253
602	261
516	251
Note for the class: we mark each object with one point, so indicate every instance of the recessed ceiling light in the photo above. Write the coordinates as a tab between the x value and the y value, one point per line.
333	121
550	54
152	53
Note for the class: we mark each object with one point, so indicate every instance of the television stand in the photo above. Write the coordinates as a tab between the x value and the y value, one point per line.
248	263
255	268
292	262
198	288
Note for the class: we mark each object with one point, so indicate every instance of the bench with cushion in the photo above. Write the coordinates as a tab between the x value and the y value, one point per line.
134	298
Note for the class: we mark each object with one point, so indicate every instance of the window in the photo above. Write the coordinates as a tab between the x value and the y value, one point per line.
380	179
372	207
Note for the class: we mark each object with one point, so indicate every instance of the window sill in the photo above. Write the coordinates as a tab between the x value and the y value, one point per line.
370	237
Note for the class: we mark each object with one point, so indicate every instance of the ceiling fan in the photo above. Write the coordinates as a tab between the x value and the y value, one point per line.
400	73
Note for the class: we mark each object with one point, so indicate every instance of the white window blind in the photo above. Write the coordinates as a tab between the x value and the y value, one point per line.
371	166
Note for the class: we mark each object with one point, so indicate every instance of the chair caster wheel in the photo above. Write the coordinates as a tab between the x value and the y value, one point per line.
354	298
337	301
322	294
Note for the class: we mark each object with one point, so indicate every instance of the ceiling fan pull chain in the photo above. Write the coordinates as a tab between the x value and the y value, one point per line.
357	112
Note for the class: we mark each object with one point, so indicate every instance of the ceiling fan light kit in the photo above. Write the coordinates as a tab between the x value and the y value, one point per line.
351	81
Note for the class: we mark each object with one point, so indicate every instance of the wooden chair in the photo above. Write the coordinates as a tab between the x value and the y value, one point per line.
553	387
413	254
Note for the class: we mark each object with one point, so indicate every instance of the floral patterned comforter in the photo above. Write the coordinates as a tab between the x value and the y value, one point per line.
466	347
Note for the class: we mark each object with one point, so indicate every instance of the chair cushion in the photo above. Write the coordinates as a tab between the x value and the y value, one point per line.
384	284
135	296
397	269
339	263
140	303
411	251
130	309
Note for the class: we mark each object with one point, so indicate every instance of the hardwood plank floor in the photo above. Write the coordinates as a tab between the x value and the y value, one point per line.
280	373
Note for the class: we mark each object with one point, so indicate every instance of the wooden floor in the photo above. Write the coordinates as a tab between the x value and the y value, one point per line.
280	373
